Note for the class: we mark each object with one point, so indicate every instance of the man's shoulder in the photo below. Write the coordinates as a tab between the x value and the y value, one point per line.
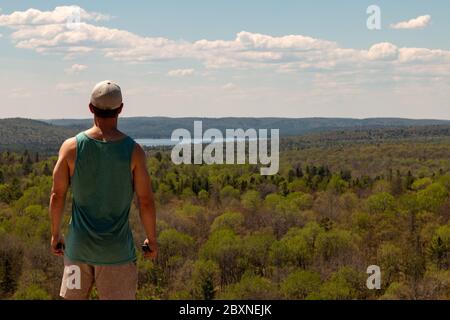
70	143
138	155
69	146
138	151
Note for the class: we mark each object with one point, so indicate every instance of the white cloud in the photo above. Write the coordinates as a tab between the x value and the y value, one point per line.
58	16
425	56
181	72
46	32
72	87
75	69
247	40
416	23
19	93
112	43
229	87
383	51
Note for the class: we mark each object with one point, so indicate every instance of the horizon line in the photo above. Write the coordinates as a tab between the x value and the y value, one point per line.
237	117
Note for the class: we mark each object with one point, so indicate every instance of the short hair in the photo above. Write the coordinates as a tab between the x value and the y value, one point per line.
105	113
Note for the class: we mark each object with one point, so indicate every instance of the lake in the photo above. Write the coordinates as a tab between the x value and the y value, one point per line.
169	142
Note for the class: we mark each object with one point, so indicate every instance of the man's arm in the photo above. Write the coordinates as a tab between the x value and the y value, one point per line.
145	200
61	180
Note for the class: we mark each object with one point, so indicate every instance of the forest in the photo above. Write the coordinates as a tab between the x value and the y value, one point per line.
226	232
162	127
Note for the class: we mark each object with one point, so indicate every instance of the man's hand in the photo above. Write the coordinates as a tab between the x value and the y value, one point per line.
57	245
153	253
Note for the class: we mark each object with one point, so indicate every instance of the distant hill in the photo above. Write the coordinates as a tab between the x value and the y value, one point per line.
161	127
417	134
21	134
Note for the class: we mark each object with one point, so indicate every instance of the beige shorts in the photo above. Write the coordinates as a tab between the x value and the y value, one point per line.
117	282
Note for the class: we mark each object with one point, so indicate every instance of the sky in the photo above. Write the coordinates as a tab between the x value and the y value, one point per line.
252	58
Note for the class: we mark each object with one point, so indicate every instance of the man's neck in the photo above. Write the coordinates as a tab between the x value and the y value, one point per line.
105	125
105	130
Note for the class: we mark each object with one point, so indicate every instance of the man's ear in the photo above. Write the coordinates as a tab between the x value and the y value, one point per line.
91	107
120	109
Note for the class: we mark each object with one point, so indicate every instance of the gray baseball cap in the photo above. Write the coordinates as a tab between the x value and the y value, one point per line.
106	95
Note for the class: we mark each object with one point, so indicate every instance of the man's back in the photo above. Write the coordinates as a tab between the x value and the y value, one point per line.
102	187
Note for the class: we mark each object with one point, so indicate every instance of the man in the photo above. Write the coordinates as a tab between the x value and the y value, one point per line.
104	169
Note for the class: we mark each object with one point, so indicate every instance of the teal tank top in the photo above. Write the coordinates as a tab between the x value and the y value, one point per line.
102	188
